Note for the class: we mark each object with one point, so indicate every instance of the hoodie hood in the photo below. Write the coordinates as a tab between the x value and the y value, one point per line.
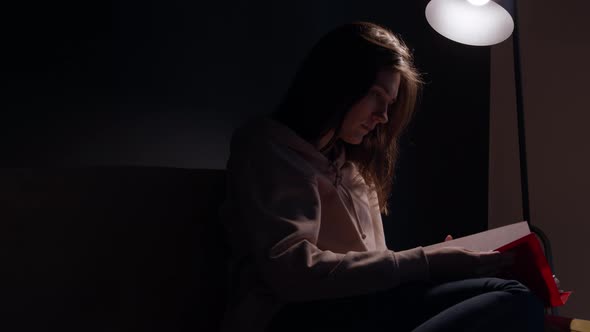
267	128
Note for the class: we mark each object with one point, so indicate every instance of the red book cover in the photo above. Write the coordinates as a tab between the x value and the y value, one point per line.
532	269
530	264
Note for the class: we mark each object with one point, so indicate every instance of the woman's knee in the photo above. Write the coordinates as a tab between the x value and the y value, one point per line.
508	285
522	301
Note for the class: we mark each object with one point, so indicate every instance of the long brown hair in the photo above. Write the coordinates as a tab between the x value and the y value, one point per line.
335	75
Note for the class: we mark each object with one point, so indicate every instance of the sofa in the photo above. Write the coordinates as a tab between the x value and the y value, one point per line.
111	249
118	249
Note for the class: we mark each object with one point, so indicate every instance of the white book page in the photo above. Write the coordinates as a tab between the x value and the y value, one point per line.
488	240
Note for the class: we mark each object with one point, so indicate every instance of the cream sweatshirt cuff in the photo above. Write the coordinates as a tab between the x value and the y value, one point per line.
412	265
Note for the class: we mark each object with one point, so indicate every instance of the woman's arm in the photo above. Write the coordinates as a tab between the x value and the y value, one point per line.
280	205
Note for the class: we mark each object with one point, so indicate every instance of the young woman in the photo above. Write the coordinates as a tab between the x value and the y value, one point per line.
306	189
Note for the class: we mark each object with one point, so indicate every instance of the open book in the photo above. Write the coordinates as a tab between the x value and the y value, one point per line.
530	264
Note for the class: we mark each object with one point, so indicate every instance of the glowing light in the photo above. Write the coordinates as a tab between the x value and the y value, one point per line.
478	2
461	21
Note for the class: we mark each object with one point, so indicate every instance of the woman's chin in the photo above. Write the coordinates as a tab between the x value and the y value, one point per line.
354	140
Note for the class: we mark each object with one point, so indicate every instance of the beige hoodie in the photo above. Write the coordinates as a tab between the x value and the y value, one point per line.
301	228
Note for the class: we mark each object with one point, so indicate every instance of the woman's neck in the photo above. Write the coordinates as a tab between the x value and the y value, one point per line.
329	146
322	143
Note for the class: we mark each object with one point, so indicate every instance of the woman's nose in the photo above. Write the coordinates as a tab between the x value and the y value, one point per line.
381	116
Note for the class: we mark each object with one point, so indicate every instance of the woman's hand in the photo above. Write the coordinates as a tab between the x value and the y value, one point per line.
454	263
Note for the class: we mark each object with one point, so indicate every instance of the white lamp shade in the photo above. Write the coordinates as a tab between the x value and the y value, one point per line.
466	23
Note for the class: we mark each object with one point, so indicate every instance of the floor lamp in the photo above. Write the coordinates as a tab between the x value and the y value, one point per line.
485	23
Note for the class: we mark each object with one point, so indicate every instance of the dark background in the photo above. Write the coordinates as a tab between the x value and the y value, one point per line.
164	83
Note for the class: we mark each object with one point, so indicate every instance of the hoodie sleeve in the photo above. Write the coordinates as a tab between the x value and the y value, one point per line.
279	209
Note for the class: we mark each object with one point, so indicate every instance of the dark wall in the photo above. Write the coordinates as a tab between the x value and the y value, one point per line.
164	83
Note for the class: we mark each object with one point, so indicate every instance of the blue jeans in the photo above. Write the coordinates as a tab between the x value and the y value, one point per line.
482	304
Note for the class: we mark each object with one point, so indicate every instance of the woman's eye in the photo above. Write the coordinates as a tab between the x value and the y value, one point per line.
377	96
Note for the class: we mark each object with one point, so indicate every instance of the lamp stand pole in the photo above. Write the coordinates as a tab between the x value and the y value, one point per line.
524	179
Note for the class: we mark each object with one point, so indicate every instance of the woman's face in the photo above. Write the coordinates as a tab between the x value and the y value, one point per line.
372	108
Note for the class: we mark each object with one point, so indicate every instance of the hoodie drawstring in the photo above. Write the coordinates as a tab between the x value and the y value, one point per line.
337	183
